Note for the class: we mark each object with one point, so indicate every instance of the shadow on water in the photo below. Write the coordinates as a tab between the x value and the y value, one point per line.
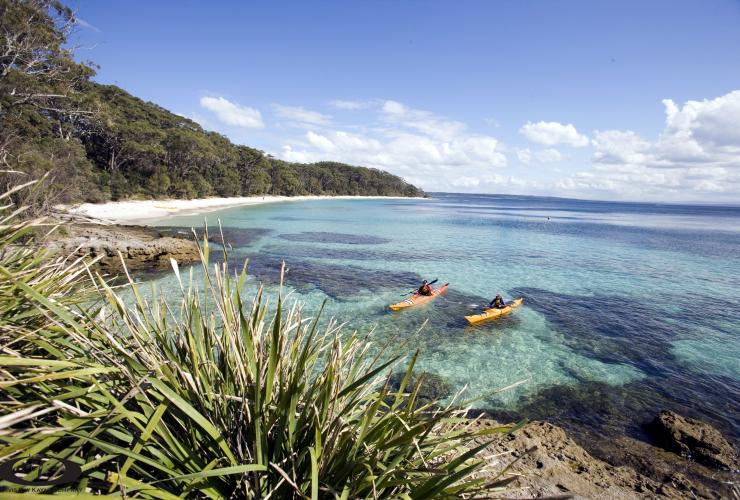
609	328
372	253
337	281
615	329
327	237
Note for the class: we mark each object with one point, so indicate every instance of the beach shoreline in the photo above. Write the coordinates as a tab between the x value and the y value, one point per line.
140	212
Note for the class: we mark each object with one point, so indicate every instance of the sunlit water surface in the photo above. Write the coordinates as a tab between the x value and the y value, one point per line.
629	308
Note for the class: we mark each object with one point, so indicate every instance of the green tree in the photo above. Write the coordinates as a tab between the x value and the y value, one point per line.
159	183
98	141
42	102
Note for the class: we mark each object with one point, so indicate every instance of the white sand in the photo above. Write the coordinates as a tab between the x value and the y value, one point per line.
140	211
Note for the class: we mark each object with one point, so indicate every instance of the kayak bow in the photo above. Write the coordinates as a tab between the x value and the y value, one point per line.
417	299
494	312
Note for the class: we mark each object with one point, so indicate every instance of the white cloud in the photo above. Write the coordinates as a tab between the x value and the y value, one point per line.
233	114
301	116
696	157
527	156
398	114
552	133
712	123
494	183
614	147
424	148
289	154
320	141
350	105
492	122
405	150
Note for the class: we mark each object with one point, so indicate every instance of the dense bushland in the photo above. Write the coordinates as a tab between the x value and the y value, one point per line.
98	142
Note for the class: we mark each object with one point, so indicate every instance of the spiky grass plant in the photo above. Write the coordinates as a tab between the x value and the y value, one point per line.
209	396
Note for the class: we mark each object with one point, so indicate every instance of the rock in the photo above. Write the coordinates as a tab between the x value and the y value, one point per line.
550	464
141	247
665	467
694	439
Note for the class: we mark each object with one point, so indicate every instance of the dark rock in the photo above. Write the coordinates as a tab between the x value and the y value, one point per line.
142	248
667	468
549	463
693	439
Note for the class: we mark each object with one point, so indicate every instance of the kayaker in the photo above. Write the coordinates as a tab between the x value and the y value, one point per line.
497	302
425	288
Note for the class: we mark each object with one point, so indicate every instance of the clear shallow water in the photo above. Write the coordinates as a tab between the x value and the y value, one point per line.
629	308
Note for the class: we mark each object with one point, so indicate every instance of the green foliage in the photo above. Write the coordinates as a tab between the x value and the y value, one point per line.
209	394
43	108
159	183
139	139
99	142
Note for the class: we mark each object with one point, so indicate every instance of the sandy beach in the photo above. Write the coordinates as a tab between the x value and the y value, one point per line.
141	211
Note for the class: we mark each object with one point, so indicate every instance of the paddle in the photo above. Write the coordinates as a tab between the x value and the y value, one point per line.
413	291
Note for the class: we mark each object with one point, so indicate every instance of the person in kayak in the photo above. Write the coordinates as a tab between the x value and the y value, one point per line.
497	302
425	288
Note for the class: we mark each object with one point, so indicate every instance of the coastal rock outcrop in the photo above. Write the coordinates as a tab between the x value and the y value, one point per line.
694	439
693	479
543	461
142	248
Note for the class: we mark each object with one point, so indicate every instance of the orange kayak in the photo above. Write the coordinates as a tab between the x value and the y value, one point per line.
494	313
417	299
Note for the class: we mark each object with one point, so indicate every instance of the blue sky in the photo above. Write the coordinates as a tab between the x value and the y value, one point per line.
609	100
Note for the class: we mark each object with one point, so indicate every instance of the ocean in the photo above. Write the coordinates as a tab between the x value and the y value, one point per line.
629	308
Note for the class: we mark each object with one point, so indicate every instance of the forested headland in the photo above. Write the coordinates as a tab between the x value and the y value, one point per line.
98	142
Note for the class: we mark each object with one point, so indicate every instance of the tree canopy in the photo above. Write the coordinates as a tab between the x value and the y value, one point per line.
98	142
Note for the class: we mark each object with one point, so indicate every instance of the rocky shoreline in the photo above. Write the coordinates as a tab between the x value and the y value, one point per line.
541	460
141	248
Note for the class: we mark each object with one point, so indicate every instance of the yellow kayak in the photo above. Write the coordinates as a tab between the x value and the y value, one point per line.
494	313
417	299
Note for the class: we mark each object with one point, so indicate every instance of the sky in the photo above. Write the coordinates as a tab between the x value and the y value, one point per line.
615	100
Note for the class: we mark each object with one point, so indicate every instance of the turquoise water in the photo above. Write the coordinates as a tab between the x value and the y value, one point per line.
629	308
